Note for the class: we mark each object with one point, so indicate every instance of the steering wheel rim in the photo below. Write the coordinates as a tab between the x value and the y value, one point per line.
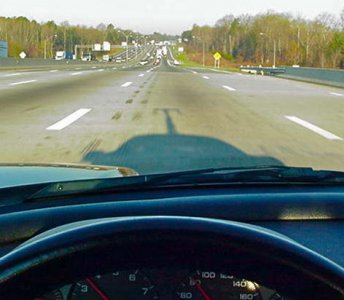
168	240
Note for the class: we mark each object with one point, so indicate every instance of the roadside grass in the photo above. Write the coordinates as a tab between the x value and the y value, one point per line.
186	62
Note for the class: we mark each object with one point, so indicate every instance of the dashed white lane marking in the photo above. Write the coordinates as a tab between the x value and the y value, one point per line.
76	73
127	84
229	88
53	71
206	77
94	67
337	94
194	72
326	134
23	82
141	75
69	119
100	70
12	75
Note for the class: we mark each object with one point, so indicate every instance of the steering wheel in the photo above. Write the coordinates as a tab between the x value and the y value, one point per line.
73	251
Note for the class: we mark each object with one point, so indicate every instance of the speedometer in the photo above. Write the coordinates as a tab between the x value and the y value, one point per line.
206	285
116	285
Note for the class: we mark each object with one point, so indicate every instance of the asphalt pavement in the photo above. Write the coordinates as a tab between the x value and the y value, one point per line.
166	118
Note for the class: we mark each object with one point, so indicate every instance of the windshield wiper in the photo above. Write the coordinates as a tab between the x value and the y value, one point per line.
220	176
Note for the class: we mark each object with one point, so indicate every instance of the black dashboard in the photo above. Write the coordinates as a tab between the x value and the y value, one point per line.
226	243
163	283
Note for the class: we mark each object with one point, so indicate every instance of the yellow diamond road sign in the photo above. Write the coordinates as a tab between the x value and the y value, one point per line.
217	56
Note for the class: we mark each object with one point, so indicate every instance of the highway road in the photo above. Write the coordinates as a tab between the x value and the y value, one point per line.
168	118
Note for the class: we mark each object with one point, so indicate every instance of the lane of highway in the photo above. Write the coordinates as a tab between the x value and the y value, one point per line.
170	118
273	96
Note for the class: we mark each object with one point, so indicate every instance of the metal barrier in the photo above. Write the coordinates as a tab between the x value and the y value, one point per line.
329	77
38	62
323	76
263	70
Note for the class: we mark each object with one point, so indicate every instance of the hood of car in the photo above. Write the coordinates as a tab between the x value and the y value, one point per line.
15	174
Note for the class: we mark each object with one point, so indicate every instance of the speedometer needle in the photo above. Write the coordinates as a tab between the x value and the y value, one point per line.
95	287
202	291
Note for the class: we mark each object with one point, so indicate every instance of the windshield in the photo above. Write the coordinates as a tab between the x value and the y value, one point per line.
165	86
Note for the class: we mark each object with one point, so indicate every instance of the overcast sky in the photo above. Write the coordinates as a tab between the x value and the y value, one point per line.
146	16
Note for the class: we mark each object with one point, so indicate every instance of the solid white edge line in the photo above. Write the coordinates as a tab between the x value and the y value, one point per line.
326	134
229	88
23	82
69	119
126	84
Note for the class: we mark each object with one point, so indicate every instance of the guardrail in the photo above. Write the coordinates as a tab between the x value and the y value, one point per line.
262	70
10	63
322	76
329	77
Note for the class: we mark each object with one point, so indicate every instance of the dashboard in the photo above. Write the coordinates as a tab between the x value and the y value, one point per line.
166	283
175	243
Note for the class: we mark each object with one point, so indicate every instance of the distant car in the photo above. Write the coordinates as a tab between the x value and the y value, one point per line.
143	62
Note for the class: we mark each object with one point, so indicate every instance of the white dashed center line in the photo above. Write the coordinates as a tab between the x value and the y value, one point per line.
13	74
127	84
228	88
76	73
337	94
141	75
206	77
100	70
53	71
326	134
23	82
69	119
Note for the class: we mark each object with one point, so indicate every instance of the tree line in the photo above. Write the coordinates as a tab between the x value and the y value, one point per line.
40	40
292	40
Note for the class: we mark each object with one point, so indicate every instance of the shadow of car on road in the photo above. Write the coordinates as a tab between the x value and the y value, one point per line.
171	152
149	154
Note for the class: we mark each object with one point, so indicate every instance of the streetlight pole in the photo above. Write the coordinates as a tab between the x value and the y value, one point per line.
274	63
45	44
127	41
203	53
203	46
274	66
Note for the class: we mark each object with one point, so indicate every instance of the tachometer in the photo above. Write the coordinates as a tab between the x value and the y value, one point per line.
205	285
116	285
